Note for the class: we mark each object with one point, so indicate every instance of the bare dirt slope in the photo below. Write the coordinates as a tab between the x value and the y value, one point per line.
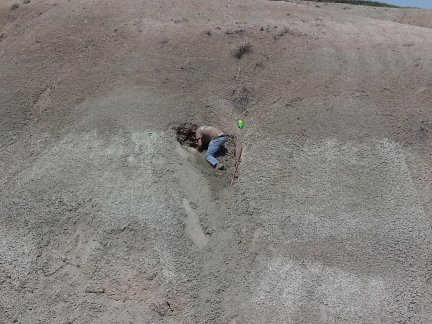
408	16
106	218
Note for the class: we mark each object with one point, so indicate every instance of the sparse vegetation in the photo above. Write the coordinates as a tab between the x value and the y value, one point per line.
243	98
259	65
355	2
281	33
242	50
236	32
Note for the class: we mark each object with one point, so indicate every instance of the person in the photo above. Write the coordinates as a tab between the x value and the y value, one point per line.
214	138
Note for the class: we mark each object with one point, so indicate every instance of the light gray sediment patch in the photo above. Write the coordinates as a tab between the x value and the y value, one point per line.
341	236
193	227
107	214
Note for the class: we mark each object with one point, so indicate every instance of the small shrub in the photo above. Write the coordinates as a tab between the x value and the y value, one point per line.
235	32
242	50
284	31
259	65
243	99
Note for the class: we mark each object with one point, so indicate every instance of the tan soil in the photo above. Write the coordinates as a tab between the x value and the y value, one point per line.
106	218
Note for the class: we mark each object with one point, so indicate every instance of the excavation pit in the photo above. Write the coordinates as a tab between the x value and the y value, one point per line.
185	135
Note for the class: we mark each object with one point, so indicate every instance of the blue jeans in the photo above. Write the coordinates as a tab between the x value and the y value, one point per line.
213	148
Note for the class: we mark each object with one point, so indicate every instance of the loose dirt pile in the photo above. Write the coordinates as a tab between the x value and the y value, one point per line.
106	218
186	134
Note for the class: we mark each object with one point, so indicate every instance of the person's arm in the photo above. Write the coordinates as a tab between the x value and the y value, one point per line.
199	144
198	136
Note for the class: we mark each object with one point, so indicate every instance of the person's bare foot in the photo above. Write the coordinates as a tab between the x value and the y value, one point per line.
219	166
